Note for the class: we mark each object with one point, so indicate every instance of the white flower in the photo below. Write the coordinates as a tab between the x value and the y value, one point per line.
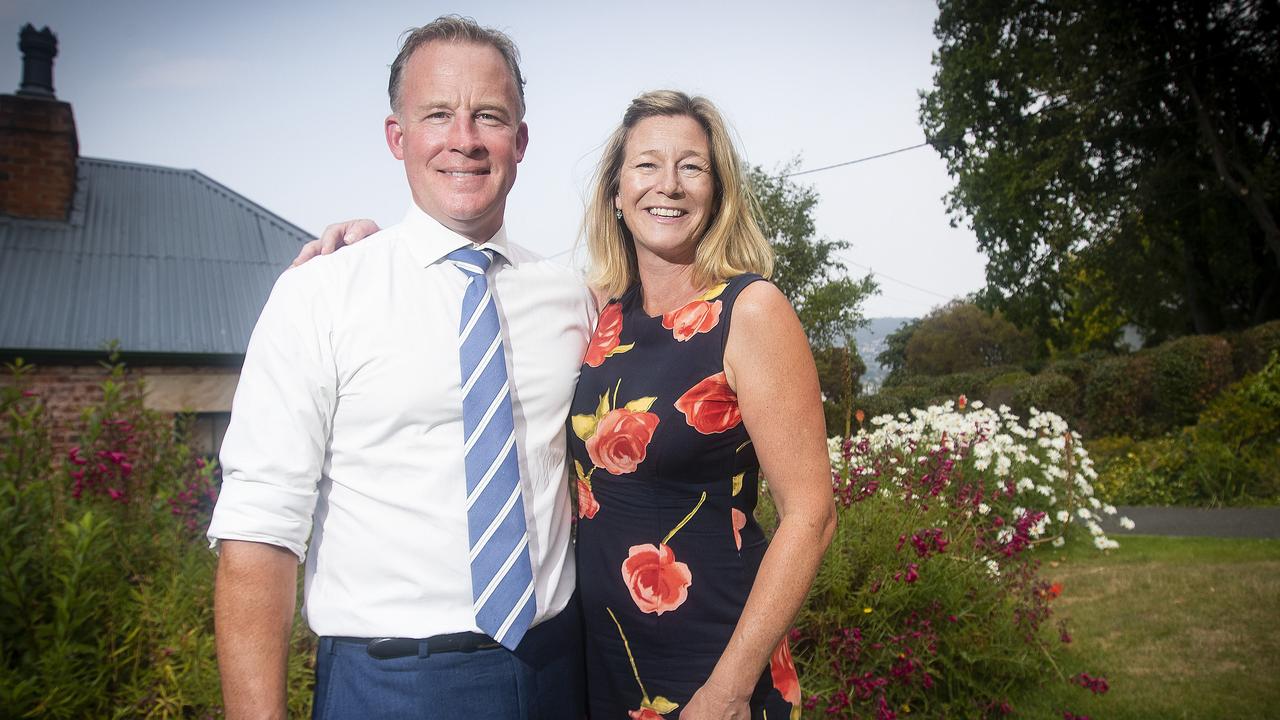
1026	484
1126	523
1004	536
1109	509
993	568
1059	541
983	508
1063	516
1044	490
1084	513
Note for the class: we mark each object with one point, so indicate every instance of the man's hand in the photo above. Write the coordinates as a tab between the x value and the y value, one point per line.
253	617
334	237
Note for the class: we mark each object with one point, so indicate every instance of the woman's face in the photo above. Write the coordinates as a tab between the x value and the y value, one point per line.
666	188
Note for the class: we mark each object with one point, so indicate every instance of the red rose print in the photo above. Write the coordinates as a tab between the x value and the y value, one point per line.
739	522
711	406
657	582
698	316
621	439
644	713
607	336
588	506
783	669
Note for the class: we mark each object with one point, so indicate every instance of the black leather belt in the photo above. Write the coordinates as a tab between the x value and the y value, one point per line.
387	648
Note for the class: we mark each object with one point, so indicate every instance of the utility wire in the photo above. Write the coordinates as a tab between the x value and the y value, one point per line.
855	162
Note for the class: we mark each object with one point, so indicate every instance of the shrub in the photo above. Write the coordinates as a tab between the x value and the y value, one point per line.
1048	390
105	579
1186	374
929	601
1117	397
1230	456
1251	348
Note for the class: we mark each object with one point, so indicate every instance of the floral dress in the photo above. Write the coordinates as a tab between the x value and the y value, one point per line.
668	547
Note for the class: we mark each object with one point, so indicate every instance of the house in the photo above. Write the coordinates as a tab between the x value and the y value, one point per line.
168	263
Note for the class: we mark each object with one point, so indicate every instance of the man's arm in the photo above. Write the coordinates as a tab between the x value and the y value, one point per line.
253	614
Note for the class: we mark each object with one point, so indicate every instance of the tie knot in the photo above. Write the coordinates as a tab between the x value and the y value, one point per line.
471	261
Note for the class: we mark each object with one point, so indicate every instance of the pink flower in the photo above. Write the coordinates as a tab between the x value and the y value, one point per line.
657	582
588	506
698	316
621	440
783	669
739	522
711	406
607	335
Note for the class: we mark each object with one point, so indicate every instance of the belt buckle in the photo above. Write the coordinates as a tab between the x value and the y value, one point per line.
385	648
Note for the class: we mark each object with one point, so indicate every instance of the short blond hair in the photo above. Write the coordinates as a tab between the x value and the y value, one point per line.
457	29
732	244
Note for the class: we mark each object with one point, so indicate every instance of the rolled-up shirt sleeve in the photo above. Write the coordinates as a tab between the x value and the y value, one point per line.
274	451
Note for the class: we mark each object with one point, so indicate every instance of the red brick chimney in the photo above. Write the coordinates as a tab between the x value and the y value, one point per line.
38	143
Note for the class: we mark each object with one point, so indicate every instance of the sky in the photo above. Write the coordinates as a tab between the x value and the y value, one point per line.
283	102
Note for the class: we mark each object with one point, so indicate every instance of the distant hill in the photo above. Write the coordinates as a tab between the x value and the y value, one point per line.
870	339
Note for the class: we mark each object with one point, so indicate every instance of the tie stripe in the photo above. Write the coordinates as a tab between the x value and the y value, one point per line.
501	572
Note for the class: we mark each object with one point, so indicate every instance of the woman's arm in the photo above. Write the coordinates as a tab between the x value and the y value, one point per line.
769	365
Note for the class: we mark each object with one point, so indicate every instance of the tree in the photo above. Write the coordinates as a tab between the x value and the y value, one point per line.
1118	162
807	268
840	371
960	336
894	355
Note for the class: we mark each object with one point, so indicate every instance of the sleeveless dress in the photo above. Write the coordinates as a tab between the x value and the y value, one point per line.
667	480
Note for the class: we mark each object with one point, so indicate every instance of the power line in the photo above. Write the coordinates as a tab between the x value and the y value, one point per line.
900	282
855	162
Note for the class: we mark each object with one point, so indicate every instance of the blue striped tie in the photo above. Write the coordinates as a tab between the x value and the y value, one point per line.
501	574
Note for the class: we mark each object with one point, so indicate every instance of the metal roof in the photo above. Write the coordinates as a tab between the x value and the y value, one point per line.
162	260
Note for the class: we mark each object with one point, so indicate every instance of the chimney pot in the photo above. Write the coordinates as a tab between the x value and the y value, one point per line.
39	47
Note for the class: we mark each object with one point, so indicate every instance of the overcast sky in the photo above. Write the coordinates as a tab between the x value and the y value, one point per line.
283	102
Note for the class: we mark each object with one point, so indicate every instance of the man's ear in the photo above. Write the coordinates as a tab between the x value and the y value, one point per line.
522	140
395	135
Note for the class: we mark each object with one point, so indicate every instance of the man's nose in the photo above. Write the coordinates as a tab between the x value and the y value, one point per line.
464	136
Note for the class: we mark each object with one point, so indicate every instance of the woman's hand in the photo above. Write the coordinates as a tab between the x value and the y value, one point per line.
334	237
714	703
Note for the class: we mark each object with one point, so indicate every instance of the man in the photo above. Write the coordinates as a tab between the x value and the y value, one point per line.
402	404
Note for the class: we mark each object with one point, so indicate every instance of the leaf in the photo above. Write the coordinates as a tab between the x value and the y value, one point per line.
742	446
660	705
603	407
640	404
619	349
714	292
577	466
584	426
737	483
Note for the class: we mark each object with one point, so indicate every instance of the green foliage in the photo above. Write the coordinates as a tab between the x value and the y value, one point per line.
807	268
1117	162
1251	348
106	584
894	355
1231	456
960	336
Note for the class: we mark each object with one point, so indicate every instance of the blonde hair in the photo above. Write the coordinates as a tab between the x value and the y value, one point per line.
732	244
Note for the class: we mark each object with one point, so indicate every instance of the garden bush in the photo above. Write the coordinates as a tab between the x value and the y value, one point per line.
1117	396
106	581
929	603
1251	348
1231	456
1048	390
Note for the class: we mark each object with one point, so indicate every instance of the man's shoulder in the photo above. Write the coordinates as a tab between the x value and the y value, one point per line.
528	260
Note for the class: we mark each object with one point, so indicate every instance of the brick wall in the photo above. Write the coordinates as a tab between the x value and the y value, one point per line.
67	389
38	150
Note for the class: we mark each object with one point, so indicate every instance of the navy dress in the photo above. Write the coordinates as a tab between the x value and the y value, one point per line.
667	479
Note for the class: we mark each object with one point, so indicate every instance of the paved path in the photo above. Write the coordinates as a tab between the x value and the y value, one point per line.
1203	522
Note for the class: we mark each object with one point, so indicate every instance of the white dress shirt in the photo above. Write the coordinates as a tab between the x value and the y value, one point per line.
347	427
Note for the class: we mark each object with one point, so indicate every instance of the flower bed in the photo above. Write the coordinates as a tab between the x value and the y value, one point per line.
930	602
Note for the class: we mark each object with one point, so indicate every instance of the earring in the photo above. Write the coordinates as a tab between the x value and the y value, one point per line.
617	214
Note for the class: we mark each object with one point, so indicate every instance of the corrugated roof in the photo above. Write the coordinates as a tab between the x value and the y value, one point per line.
160	259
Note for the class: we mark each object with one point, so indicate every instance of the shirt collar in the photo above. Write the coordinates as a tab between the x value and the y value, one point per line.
430	241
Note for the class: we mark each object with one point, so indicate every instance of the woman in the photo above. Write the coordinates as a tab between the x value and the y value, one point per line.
698	378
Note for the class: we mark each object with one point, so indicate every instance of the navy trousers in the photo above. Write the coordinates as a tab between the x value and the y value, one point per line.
542	680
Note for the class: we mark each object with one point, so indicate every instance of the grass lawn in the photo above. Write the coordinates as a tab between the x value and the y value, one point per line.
1180	628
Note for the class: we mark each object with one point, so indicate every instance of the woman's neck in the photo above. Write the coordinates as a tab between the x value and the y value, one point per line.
665	287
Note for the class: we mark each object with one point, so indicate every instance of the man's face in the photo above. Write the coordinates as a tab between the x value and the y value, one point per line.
458	131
